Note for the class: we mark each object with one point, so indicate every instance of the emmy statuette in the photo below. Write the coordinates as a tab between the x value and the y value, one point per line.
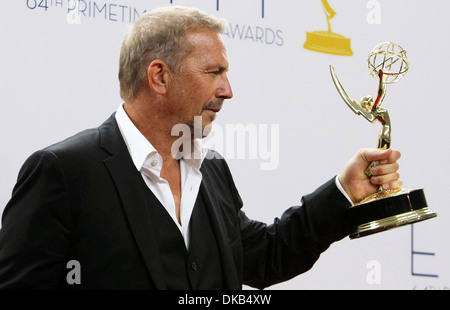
385	209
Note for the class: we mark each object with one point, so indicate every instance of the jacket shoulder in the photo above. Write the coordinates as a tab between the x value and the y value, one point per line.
85	139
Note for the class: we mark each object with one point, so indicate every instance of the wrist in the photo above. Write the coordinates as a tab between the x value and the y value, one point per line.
343	190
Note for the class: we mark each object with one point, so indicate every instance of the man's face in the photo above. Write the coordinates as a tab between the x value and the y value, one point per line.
201	86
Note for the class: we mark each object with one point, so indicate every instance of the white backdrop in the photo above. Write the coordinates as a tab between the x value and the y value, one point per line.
58	76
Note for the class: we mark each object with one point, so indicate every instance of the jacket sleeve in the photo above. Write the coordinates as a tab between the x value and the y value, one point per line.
293	243
35	226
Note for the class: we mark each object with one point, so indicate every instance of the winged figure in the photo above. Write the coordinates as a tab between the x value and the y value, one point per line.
369	108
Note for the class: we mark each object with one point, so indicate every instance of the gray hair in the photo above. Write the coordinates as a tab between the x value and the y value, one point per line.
159	34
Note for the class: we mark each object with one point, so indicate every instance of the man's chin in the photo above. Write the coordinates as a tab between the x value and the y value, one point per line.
209	114
201	126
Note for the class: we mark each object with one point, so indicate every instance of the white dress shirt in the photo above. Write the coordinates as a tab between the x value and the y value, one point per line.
149	163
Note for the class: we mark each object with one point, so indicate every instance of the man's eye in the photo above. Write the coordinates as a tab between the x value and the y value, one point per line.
218	71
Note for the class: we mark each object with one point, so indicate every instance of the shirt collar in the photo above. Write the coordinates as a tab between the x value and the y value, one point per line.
140	148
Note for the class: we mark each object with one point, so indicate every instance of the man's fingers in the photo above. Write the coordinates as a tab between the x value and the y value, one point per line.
384	169
370	155
385	178
393	157
383	156
356	183
393	185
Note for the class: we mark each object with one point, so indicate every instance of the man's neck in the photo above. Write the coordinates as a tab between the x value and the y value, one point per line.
148	122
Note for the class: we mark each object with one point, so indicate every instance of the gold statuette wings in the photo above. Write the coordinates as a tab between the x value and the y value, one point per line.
353	105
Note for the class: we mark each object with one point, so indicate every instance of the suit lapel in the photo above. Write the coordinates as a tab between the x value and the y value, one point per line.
218	226
129	187
133	198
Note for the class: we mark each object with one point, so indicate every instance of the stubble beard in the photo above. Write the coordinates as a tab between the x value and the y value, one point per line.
197	123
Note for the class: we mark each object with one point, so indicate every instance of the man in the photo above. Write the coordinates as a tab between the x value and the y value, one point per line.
118	204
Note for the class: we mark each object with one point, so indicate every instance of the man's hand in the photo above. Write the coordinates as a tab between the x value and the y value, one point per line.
358	185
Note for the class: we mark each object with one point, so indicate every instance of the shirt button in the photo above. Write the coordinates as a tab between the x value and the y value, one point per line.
154	163
194	266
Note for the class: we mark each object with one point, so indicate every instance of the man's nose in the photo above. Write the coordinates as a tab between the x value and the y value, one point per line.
225	90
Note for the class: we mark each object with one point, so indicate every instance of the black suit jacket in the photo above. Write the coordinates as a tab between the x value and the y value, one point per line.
81	199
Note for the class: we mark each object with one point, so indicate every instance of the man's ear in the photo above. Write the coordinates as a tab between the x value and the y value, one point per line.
158	73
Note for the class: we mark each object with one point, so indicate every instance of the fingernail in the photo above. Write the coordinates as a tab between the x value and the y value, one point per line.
385	186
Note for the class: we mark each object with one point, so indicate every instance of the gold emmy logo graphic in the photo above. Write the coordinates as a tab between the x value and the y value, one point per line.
327	41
